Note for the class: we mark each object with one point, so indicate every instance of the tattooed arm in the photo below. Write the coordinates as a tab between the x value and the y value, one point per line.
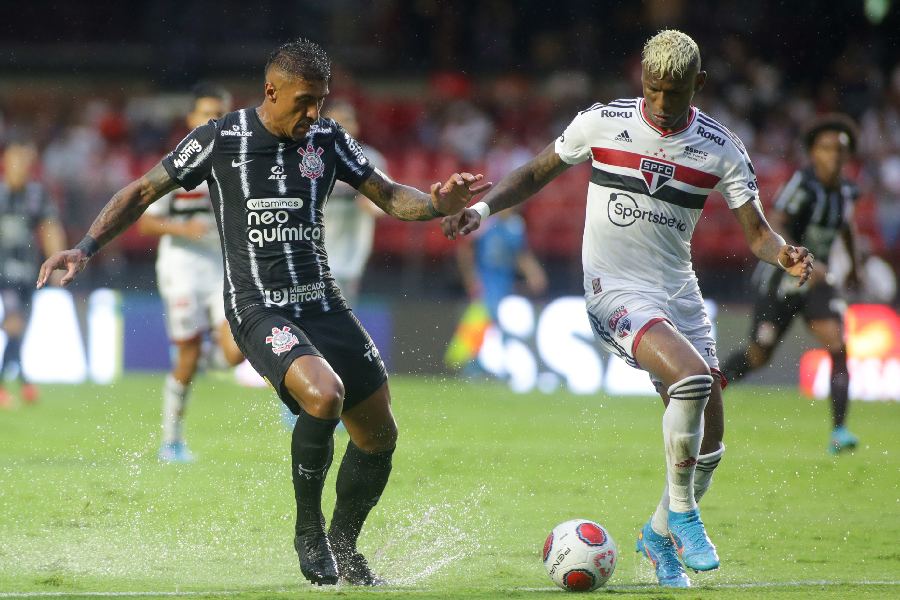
118	215
409	204
515	188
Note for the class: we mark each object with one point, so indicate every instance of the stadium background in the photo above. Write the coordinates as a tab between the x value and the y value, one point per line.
443	86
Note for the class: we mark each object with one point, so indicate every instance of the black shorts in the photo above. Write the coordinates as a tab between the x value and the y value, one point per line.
774	306
272	338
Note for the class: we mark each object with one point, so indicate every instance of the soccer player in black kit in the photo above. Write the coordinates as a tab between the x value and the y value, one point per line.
812	209
270	170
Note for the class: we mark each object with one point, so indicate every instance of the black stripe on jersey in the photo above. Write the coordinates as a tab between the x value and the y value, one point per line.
593	107
626	103
666	193
713	124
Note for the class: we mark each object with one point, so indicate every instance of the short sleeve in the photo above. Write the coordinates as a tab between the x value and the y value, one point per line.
161	207
191	161
352	165
739	185
572	146
793	196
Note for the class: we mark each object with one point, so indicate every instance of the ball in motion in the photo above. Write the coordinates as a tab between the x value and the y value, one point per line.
579	555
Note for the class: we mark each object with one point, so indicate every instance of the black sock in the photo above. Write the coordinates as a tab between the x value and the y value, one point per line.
312	448
736	366
360	482
840	385
12	354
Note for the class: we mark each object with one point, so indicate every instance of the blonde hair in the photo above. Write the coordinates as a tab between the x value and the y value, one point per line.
670	51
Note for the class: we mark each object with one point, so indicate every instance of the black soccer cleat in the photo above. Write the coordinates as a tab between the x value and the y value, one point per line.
316	559
354	569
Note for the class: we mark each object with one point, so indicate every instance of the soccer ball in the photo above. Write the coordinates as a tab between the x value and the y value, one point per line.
579	555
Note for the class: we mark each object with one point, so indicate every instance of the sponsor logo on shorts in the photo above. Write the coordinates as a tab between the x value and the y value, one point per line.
596	285
371	352
235	131
623	211
623	328
311	164
614	318
282	340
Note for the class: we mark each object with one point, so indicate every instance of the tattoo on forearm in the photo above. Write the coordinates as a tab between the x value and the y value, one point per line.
527	180
127	205
400	201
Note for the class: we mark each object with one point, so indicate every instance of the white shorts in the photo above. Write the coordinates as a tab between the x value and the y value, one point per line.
192	294
620	318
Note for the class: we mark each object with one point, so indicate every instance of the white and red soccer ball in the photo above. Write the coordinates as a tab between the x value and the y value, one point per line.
579	555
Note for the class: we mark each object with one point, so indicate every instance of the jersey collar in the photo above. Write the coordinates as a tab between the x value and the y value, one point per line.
662	133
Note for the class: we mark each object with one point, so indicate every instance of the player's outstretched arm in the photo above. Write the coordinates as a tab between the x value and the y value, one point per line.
409	204
118	215
769	247
518	186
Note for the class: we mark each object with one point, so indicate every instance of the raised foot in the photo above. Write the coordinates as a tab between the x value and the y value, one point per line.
690	539
662	553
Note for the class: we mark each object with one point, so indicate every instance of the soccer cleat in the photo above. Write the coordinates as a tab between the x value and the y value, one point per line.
354	569
316	559
842	439
30	393
175	452
662	553
691	541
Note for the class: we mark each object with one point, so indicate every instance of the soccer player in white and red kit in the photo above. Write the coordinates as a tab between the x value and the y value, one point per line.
655	161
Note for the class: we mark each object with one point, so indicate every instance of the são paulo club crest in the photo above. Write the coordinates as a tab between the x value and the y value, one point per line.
282	340
311	164
656	173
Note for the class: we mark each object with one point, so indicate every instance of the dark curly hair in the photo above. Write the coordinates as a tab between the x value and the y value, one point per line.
208	89
302	59
832	122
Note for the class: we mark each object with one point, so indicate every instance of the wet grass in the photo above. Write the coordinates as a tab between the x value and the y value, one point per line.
480	477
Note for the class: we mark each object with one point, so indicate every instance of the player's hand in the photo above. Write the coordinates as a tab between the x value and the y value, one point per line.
797	261
71	261
462	223
195	229
454	195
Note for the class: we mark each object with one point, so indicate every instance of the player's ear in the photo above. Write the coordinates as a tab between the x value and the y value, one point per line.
271	91
700	81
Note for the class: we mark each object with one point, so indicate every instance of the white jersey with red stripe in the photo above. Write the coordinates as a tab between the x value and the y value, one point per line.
647	190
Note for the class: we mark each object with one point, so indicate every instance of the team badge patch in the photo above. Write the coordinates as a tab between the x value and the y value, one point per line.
282	340
656	173
311	164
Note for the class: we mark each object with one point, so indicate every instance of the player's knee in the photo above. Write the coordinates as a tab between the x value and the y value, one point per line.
328	398
695	387
381	438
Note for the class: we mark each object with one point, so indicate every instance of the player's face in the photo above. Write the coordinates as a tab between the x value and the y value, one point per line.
830	152
669	98
297	104
206	109
17	161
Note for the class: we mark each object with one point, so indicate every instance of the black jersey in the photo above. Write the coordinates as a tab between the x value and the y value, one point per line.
21	211
267	194
815	215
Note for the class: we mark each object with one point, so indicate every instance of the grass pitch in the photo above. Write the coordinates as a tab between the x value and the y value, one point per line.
480	477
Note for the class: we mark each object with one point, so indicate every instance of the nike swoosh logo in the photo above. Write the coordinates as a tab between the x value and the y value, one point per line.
243	162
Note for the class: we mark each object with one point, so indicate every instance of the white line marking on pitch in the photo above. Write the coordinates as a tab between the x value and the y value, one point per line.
623	588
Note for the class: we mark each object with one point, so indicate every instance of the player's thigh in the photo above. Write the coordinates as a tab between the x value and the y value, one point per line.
620	318
830	333
371	423
273	341
824	316
348	348
772	315
668	356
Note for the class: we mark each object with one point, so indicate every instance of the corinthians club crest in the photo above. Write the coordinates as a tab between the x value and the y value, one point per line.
311	164
282	340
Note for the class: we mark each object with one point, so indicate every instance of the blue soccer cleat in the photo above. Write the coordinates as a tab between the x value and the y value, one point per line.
662	553
691	541
842	439
175	452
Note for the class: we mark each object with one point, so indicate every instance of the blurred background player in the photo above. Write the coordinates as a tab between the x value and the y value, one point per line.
812	209
190	278
26	212
349	216
489	265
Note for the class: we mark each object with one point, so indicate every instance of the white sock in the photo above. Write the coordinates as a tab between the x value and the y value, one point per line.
706	465
175	397
659	522
682	434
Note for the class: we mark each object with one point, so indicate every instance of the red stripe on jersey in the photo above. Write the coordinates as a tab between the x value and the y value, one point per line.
631	160
662	132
